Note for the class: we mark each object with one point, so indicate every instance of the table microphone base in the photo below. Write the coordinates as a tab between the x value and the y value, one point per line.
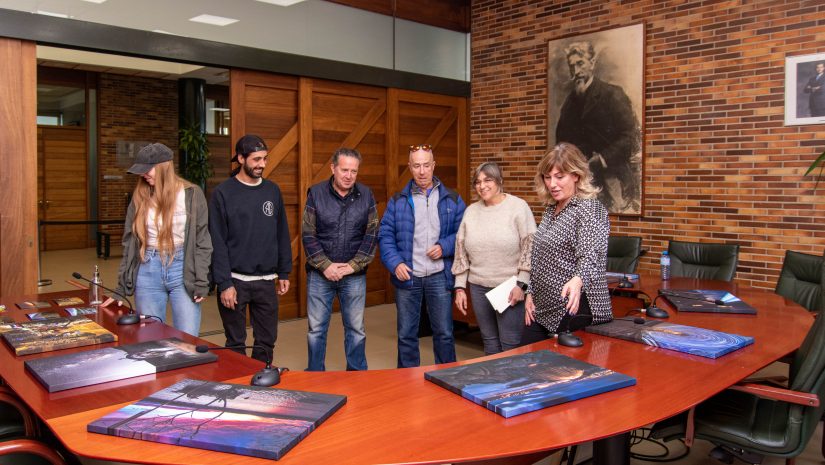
129	319
269	376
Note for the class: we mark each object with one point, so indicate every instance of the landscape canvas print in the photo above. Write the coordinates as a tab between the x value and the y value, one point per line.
78	369
705	301
33	337
246	420
523	383
681	338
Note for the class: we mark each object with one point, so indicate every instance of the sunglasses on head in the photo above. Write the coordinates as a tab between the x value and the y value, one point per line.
424	147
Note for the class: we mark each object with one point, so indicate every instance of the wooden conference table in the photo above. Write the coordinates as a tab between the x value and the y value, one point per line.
395	416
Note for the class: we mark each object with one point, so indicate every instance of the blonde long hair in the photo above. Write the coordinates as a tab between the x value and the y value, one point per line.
163	197
568	159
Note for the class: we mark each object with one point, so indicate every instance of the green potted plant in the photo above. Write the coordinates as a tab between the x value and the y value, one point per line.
193	141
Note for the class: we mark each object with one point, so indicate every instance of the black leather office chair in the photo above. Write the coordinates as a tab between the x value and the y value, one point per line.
15	419
803	280
758	419
703	261
623	253
28	452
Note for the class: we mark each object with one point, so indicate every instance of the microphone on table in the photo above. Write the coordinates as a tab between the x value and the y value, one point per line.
625	282
567	338
652	310
128	319
268	376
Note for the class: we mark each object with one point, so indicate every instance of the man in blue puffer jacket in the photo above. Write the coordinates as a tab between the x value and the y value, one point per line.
417	243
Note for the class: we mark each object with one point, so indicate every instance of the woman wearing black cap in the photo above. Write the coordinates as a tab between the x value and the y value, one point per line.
166	244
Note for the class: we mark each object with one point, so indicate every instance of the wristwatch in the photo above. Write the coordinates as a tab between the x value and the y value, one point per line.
522	285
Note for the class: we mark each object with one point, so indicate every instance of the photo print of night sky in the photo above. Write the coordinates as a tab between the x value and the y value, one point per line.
62	372
523	383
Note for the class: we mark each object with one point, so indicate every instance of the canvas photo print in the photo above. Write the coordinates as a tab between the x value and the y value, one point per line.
66	301
246	420
75	311
43	315
523	383
32	304
681	338
33	337
61	372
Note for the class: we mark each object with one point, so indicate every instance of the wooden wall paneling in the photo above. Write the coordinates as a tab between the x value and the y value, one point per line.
18	166
267	105
353	116
305	88
391	167
221	150
64	187
442	122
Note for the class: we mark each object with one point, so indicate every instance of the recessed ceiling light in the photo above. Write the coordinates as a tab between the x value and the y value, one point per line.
213	20
282	2
94	1
51	13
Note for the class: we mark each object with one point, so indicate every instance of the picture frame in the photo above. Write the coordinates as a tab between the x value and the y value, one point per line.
804	99
597	103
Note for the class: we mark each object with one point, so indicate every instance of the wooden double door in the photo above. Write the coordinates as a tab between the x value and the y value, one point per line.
305	120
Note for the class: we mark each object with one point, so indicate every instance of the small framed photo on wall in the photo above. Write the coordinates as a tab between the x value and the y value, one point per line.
805	89
595	101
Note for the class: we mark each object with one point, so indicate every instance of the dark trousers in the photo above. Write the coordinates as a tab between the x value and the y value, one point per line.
262	300
536	332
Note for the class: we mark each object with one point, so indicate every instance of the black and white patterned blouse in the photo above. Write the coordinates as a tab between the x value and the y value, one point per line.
572	243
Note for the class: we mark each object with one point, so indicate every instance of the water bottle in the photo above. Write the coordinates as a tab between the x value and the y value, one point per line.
665	265
94	289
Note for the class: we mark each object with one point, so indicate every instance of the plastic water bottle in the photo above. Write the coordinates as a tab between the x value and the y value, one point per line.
94	289
665	265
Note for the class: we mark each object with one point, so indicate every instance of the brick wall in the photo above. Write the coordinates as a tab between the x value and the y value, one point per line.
131	109
720	165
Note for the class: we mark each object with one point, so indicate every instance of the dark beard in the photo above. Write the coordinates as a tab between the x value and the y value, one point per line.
250	172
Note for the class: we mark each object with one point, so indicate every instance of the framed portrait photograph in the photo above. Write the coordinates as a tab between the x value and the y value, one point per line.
595	101
805	89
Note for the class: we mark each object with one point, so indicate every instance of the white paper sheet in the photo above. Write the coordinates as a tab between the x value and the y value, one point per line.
499	296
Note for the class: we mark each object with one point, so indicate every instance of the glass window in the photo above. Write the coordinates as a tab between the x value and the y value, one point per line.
61	105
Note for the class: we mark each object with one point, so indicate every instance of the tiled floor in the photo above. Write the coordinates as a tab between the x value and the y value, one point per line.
381	343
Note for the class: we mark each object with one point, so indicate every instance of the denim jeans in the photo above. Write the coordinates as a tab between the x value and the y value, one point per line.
352	294
499	331
158	283
433	288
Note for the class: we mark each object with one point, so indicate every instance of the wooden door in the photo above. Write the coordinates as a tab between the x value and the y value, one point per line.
267	105
63	186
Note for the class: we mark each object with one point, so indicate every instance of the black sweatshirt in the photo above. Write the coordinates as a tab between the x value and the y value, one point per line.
250	234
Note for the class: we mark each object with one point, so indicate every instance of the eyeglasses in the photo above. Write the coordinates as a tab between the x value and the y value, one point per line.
424	147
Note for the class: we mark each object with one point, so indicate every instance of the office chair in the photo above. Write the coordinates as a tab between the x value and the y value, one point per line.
623	253
703	261
28	452
15	419
752	420
803	280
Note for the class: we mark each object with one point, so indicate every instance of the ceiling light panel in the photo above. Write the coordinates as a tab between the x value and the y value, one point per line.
213	20
282	2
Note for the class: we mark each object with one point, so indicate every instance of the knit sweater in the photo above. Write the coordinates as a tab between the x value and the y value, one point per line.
494	243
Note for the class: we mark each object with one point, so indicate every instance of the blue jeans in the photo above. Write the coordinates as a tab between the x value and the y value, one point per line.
440	310
157	283
499	331
352	294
